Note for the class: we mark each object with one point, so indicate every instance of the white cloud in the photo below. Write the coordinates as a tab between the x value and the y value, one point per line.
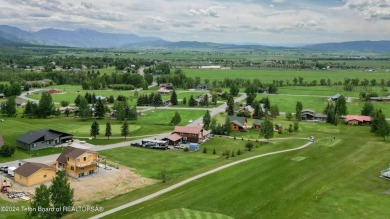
208	12
370	9
278	1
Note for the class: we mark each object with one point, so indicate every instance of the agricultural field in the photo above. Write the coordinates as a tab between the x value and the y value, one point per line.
337	177
269	75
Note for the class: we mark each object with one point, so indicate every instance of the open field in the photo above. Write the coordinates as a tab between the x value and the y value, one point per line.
330	179
327	91
267	76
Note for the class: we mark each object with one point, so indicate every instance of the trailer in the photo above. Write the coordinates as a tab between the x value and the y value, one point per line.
11	171
154	144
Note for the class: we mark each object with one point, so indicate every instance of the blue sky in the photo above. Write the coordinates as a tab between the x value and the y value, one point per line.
225	21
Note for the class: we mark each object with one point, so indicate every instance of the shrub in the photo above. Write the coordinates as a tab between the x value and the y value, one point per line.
249	146
204	150
186	149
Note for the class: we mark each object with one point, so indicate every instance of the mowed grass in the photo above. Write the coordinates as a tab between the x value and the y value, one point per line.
154	122
327	91
267	76
331	182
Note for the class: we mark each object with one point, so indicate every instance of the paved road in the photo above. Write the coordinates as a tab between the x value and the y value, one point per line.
24	94
177	185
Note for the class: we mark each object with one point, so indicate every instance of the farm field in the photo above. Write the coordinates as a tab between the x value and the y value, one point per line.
333	178
267	76
327	91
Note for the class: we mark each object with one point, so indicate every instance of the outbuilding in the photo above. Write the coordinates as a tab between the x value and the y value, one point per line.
31	173
193	146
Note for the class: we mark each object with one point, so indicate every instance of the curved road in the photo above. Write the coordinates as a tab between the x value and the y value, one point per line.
170	188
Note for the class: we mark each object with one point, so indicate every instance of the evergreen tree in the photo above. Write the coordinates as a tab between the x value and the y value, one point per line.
28	109
205	100
267	128
184	101
192	101
77	100
377	118
84	110
341	106
120	113
45	106
258	113
298	111
108	130
234	90
100	110
61	194
228	126
9	107
125	129
176	119
40	200
94	129
266	102
174	98
133	114
368	109
157	100
274	111
206	120
213	125
383	128
230	106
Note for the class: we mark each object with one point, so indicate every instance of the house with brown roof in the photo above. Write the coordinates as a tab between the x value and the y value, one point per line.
357	120
257	124
238	123
191	134
78	162
174	139
31	173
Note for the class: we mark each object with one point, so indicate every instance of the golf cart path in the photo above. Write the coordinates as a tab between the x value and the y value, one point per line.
177	185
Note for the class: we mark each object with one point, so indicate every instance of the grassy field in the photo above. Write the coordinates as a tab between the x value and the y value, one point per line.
334	178
326	91
152	122
268	76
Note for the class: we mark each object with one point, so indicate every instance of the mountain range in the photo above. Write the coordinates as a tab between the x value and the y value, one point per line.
85	38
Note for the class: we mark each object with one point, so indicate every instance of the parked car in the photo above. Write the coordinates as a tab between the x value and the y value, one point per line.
136	144
4	169
311	139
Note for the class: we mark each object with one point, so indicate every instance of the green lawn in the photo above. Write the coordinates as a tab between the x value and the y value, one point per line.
152	122
334	178
326	91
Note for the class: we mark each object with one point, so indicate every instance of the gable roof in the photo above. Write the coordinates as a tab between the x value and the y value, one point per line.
358	118
248	108
72	152
238	120
257	122
34	135
188	129
29	168
1	141
174	137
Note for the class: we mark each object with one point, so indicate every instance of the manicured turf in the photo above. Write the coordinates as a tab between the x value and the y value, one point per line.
331	182
187	213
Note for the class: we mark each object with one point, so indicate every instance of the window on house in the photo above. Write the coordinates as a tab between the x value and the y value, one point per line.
44	176
85	158
68	159
71	167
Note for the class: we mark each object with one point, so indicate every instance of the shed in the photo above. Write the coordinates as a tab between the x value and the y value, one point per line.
31	173
193	146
